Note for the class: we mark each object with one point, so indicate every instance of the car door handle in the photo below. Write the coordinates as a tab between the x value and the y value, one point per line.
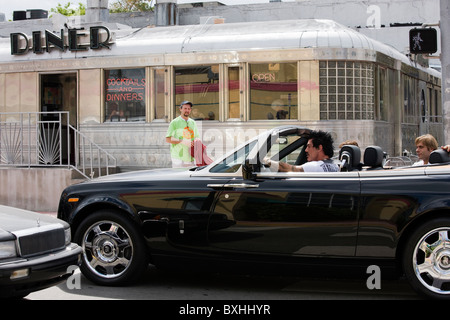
215	186
233	186
241	185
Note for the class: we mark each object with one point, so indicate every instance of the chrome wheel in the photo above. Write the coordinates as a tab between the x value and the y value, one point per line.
108	249
115	251
431	261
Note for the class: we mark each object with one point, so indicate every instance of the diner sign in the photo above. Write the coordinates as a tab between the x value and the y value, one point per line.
20	43
125	85
125	89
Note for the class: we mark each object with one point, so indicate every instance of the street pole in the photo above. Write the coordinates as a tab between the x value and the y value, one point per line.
445	61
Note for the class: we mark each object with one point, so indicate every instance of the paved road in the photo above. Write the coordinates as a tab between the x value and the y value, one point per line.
165	285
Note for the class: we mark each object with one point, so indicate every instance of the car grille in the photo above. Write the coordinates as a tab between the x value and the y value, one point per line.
41	240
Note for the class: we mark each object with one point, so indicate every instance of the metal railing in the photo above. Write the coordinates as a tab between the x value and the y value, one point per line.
46	139
90	157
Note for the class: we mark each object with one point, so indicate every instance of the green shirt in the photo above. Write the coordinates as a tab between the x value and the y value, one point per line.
182	129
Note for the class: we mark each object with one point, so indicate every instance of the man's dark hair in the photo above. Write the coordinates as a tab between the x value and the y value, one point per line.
323	138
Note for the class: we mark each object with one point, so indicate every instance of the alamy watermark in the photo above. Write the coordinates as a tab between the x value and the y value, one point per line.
74	281
374	19
373	281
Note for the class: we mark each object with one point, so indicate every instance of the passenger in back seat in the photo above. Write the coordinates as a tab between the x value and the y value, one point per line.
350	142
425	144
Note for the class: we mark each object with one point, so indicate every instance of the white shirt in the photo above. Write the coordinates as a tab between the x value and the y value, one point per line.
320	166
418	163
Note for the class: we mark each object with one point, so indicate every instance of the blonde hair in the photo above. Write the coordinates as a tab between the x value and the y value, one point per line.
349	142
428	141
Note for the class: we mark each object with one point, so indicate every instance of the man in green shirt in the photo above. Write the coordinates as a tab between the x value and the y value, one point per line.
181	134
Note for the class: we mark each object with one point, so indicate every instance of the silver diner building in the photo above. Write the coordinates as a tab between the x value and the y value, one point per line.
116	90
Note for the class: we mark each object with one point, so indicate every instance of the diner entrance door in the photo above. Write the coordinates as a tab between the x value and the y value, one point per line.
58	94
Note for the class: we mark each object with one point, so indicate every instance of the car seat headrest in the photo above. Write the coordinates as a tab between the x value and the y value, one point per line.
439	156
373	156
350	157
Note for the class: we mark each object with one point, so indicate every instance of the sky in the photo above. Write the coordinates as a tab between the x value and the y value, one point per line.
8	6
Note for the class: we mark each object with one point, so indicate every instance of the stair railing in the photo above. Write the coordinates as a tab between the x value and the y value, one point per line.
45	139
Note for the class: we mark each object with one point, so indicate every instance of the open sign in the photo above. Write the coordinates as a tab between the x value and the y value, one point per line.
263	77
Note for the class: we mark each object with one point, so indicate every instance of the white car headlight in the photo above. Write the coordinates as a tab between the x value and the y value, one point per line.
67	236
8	249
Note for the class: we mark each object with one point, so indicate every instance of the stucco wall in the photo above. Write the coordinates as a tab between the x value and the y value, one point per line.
36	189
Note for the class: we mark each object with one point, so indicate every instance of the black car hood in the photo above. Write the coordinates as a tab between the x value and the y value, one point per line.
13	219
147	175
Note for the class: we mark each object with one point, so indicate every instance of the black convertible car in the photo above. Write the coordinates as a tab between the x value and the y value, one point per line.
237	212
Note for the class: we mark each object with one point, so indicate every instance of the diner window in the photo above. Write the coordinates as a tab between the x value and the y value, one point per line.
410	101
273	91
430	104
383	96
125	95
438	106
199	85
159	90
234	109
435	114
423	106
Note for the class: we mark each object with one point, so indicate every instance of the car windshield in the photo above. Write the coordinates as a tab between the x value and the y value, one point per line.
284	147
232	163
